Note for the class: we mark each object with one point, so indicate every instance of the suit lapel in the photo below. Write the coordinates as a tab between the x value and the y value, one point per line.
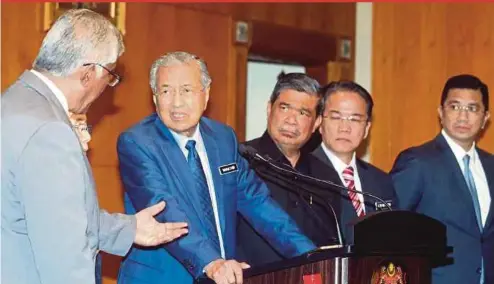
458	188
213	153
319	153
345	203
179	167
488	165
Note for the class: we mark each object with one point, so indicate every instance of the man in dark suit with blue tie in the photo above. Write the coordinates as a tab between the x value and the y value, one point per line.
192	162
452	180
346	123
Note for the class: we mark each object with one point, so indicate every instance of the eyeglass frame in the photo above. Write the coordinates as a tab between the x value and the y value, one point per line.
160	92
117	77
349	118
466	108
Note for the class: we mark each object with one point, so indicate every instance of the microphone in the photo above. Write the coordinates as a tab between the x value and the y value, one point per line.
253	154
250	153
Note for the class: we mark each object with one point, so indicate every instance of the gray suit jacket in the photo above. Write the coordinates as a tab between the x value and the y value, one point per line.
52	227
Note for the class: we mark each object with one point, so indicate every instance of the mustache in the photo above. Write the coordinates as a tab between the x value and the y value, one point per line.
294	132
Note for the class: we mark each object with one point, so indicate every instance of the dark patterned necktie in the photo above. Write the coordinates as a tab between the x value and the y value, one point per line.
202	191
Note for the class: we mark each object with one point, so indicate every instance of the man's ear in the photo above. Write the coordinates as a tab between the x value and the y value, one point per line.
317	123
268	108
206	93
486	118
440	113
367	128
86	74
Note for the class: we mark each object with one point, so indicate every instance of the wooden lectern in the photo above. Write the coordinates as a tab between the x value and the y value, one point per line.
390	247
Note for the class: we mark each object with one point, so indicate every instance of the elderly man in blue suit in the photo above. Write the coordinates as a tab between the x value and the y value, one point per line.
192	162
452	180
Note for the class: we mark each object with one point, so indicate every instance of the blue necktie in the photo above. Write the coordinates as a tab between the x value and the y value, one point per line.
202	191
473	191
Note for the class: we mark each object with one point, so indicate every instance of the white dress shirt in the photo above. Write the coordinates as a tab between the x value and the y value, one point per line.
340	166
201	150
478	173
55	90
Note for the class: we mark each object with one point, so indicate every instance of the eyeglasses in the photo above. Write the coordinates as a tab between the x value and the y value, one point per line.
115	77
352	119
468	108
183	91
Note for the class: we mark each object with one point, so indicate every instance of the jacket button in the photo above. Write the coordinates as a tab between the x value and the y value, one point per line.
479	270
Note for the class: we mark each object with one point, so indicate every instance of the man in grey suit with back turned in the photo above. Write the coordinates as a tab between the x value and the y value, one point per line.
52	227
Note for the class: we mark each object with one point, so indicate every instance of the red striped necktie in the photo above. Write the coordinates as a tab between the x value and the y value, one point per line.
348	176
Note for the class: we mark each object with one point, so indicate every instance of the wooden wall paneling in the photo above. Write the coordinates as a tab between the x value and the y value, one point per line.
152	30
240	53
329	18
291	44
21	39
416	47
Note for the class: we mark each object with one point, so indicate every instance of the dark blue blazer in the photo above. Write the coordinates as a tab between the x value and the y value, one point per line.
428	180
373	181
153	168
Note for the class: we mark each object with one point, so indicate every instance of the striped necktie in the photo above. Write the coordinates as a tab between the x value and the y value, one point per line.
348	177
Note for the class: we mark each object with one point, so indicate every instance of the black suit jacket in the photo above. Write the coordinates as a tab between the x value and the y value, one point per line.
315	221
373	181
429	180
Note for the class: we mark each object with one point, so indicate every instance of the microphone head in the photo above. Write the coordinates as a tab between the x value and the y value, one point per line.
247	151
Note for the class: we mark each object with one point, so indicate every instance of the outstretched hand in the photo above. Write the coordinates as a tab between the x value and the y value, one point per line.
150	232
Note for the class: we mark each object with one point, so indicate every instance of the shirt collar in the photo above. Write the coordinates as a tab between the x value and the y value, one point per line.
55	90
338	164
458	151
268	147
182	139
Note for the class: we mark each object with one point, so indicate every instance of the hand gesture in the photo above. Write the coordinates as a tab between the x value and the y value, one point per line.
150	232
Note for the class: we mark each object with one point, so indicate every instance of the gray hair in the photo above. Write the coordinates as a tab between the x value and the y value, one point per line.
174	58
299	82
78	37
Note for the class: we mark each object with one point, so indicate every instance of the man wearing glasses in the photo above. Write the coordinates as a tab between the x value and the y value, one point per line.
452	180
346	122
52	226
192	162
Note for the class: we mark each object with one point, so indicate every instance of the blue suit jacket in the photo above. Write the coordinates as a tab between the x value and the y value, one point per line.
373	180
428	180
153	168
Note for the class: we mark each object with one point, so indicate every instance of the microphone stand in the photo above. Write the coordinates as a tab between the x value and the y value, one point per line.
301	185
289	184
318	183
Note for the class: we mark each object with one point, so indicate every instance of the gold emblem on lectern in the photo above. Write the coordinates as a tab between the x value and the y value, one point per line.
389	274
